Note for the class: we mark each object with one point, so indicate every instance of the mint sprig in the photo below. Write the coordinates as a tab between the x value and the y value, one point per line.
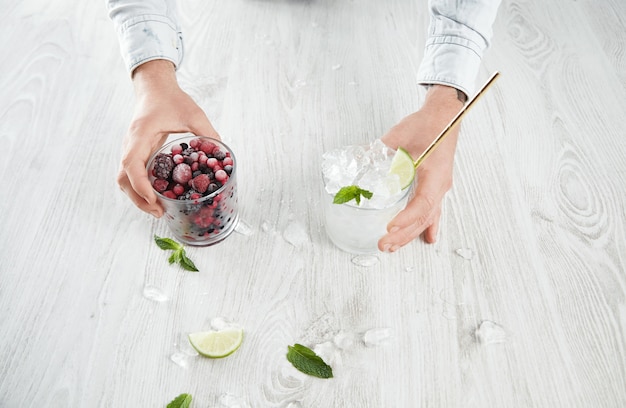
182	401
348	193
306	361
179	255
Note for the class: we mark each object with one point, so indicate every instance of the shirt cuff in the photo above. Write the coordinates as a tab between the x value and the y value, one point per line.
149	37
450	61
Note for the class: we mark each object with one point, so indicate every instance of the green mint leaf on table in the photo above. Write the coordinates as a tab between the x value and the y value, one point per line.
186	263
182	401
348	193
166	243
305	360
179	255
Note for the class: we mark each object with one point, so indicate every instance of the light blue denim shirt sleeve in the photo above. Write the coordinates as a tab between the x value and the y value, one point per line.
147	30
459	32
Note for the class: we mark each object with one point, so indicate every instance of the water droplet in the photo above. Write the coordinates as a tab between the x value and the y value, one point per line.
244	228
180	359
376	337
295	234
153	293
465	253
299	83
266	226
365	260
409	269
233	401
336	67
489	332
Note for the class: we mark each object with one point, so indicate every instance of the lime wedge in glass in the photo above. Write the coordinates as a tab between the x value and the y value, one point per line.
217	344
402	166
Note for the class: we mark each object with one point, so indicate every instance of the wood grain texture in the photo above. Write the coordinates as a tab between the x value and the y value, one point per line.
533	234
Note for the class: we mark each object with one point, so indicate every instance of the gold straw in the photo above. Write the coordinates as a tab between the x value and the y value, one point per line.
455	120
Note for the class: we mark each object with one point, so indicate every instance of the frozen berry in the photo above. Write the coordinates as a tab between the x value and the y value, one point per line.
163	166
169	194
207	147
181	173
218	154
228	169
200	183
194	143
194	156
221	175
176	149
195	166
178	189
211	162
212	188
160	185
178	158
227	161
204	218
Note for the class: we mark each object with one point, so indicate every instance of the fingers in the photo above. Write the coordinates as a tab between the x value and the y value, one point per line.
420	216
151	207
201	126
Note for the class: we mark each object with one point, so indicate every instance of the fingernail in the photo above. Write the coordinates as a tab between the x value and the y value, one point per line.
394	248
386	247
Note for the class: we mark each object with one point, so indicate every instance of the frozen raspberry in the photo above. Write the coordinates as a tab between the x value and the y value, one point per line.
163	165
204	217
181	173
160	185
207	147
200	183
221	175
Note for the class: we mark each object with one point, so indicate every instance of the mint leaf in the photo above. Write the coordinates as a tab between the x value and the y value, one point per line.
186	263
178	256
175	257
349	193
166	243
305	360
182	401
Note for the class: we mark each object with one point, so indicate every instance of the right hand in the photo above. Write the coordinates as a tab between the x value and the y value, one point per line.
161	108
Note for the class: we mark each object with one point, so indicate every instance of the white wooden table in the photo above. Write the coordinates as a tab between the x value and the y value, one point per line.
521	302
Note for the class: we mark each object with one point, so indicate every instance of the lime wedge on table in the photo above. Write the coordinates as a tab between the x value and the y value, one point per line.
402	166
217	344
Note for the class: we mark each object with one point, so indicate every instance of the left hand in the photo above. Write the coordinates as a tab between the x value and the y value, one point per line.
434	176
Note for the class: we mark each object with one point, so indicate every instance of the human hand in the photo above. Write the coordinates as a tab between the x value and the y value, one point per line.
161	108
434	176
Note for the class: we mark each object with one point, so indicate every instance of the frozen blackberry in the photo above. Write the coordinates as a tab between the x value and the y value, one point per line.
163	165
219	155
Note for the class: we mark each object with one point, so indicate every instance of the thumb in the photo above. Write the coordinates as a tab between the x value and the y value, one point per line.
200	126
